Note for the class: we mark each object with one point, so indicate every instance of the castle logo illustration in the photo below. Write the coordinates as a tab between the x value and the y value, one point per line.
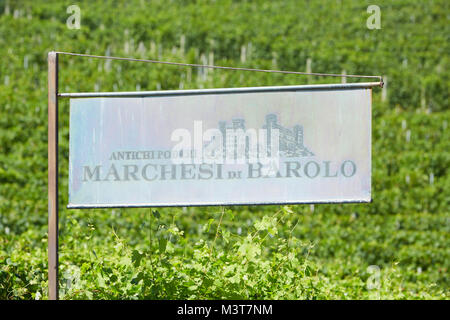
290	143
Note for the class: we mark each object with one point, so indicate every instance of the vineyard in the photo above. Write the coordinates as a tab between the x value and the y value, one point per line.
397	247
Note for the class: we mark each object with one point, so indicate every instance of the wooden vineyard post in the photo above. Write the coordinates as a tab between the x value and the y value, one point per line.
53	176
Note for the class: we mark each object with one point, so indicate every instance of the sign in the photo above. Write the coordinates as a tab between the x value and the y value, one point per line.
266	145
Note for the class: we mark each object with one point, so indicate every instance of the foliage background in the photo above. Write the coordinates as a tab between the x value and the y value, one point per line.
271	252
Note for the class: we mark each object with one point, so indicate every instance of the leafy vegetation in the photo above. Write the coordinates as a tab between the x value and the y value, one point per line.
270	252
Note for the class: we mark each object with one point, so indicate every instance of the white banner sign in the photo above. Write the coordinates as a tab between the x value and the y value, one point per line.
221	147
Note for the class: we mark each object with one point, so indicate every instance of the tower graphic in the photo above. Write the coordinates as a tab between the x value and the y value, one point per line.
290	140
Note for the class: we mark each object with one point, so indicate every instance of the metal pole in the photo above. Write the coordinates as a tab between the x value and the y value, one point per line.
312	87
53	176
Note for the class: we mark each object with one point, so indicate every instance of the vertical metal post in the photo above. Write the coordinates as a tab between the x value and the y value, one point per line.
53	175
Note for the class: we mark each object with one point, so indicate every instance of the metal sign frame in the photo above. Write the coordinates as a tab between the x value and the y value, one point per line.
53	95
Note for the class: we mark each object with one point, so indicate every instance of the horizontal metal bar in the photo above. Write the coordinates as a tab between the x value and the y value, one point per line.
204	204
334	86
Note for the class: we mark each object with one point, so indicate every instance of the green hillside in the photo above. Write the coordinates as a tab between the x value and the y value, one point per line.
255	252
